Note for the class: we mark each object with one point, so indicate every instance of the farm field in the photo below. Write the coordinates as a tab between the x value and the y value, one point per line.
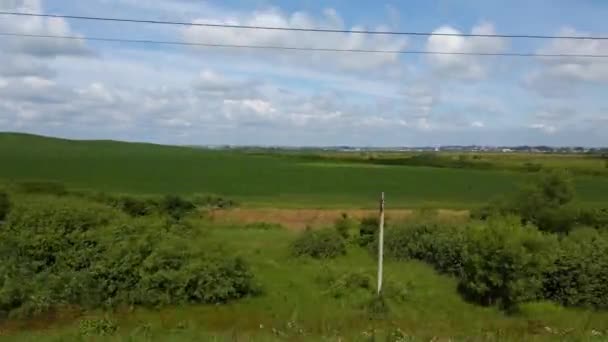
257	180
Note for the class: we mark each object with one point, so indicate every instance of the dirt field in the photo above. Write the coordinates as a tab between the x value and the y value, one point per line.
301	218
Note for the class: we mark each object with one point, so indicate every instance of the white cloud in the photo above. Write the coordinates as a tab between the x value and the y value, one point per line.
273	17
38	47
477	124
546	128
462	66
559	77
576	68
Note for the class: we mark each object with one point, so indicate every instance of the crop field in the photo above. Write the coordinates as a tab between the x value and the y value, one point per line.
258	179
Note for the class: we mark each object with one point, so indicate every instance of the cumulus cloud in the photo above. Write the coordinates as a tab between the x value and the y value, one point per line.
33	25
330	19
462	66
563	76
543	127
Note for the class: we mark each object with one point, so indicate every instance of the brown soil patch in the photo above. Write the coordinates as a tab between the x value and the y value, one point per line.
302	218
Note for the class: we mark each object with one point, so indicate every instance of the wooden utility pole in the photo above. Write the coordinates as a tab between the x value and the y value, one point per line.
380	243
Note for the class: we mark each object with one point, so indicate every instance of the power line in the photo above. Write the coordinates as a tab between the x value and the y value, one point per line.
295	48
295	29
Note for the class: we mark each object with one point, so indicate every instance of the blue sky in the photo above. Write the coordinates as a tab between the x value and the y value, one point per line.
186	95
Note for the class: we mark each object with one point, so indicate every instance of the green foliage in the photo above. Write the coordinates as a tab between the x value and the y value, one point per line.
41	188
345	226
97	327
5	205
439	245
556	219
580	276
216	202
368	229
320	244
65	252
176	206
503	263
544	202
595	218
136	207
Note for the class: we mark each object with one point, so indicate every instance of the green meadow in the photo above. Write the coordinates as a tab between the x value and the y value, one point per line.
257	179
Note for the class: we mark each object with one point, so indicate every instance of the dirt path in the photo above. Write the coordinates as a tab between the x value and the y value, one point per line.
301	218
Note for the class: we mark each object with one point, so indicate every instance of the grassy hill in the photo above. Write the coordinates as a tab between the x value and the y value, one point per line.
259	180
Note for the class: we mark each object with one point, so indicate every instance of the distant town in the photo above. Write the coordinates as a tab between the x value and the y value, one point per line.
447	148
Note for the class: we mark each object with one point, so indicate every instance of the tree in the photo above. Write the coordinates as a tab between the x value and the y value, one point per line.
544	201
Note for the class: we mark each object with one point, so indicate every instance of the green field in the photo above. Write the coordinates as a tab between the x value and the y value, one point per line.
272	180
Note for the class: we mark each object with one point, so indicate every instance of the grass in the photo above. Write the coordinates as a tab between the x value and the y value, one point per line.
295	305
262	180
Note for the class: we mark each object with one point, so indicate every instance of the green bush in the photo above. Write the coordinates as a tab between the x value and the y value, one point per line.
368	229
64	252
175	206
5	205
345	226
543	202
556	220
439	245
503	263
320	244
136	207
97	327
580	276
595	218
211	201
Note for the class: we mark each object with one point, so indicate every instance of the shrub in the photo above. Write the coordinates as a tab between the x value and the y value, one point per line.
368	229
503	263
58	251
97	327
580	276
42	188
439	245
214	202
595	218
345	225
498	206
556	220
175	206
5	205
320	244
135	207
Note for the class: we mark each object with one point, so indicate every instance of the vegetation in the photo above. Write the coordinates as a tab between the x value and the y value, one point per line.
59	251
269	179
545	202
140	264
320	244
5	205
